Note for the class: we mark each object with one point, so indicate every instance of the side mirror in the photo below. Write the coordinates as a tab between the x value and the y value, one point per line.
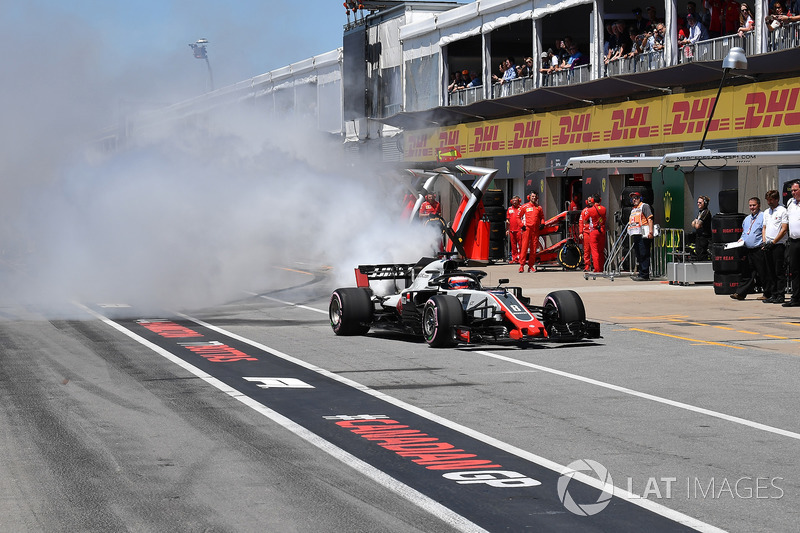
502	280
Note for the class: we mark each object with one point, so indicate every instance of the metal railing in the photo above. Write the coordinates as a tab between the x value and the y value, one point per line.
784	38
559	78
638	63
567	76
466	96
717	49
668	244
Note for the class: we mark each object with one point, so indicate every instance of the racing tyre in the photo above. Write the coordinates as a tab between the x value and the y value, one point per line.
350	311
570	256
495	213
562	308
493	198
440	316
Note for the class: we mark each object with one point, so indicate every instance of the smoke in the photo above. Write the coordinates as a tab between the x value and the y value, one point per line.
188	215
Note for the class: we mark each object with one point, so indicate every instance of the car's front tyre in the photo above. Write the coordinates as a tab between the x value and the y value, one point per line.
440	317
350	311
561	310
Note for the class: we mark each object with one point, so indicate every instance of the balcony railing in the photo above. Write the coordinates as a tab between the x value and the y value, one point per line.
558	78
467	96
638	63
567	76
784	37
717	49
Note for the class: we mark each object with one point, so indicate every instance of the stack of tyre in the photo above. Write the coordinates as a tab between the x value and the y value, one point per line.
726	227
494	206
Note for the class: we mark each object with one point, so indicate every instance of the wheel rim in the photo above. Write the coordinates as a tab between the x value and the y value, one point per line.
429	322
335	312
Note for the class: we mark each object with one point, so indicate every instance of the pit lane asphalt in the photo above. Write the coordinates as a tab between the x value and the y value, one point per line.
691	312
146	425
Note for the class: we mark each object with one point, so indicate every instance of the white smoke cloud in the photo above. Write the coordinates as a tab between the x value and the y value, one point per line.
186	217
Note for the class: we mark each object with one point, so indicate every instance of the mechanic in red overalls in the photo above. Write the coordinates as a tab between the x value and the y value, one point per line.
595	242
584	228
513	227
429	207
531	217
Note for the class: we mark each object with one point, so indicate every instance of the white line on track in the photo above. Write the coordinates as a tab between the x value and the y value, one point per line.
287	303
417	498
646	396
625	390
652	506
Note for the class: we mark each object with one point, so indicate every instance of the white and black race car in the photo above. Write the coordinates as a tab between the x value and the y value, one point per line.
447	306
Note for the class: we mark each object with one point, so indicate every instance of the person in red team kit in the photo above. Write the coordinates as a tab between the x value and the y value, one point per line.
593	232
513	227
583	234
429	207
531	217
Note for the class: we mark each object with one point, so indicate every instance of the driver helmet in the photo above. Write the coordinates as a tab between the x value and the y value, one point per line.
459	282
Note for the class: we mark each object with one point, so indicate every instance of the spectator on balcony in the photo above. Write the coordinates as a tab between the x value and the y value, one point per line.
713	19
575	59
475	80
691	9
623	44
746	22
545	63
697	32
637	42
509	75
653	17
730	16
526	69
457	83
639	24
779	16
561	53
610	39
655	43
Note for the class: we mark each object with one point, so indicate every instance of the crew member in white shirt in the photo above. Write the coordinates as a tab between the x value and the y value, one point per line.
793	211
776	234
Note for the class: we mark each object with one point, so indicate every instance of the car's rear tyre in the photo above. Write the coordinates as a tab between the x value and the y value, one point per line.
440	316
562	308
350	311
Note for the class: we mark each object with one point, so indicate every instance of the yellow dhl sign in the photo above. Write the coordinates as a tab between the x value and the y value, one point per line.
758	109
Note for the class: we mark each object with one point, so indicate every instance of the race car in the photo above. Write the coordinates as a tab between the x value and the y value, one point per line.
448	306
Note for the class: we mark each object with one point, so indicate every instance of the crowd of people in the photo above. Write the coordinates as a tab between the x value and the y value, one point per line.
628	38
640	35
463	79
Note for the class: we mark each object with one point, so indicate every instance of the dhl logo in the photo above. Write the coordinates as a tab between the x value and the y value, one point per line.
450	140
691	116
575	130
526	135
630	124
486	139
766	110
417	146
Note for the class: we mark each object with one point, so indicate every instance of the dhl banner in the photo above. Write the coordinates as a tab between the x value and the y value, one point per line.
758	109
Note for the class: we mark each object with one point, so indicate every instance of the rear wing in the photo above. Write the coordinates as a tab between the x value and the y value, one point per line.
367	273
394	271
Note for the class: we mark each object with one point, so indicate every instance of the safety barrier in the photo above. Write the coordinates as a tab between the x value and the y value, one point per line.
668	245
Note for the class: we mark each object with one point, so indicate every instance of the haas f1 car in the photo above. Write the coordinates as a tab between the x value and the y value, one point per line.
448	306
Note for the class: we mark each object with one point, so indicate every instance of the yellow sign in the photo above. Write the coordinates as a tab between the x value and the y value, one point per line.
757	109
